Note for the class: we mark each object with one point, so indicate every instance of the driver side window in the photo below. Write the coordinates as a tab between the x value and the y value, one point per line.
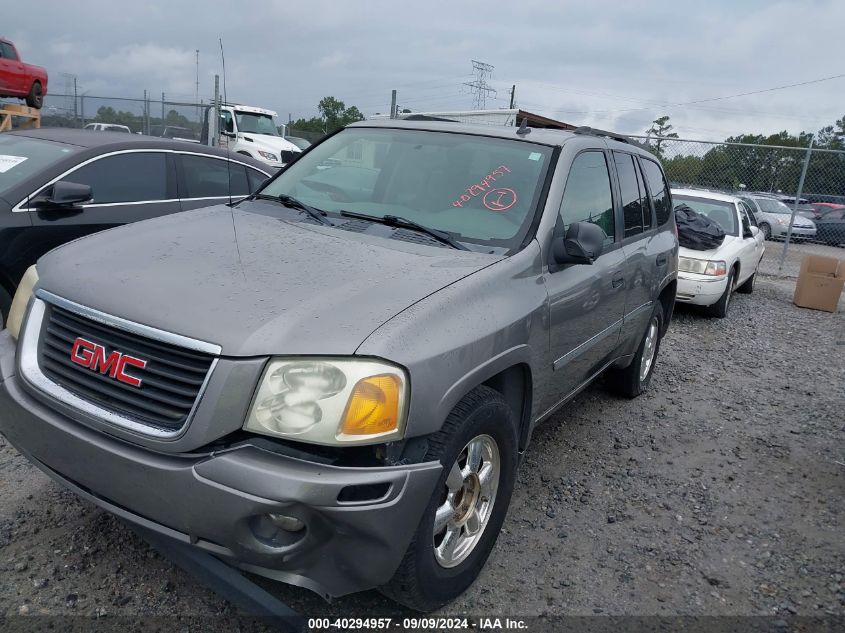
587	196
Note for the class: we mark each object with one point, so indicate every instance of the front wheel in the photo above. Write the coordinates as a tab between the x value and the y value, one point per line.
720	308
35	98
767	230
477	447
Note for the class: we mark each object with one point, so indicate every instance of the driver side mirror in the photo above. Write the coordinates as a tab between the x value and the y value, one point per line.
582	244
66	194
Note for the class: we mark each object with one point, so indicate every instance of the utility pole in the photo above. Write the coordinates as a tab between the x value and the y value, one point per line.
197	91
214	114
513	93
74	101
162	113
393	104
480	87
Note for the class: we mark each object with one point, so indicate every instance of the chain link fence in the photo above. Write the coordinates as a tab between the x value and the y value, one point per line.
797	194
146	115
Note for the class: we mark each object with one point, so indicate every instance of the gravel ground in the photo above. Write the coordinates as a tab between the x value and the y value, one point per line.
720	491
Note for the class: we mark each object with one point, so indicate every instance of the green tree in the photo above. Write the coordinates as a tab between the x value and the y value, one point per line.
660	129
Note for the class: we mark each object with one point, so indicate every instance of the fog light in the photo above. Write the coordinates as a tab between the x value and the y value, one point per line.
284	522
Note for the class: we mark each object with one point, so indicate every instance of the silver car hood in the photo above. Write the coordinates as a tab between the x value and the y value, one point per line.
250	282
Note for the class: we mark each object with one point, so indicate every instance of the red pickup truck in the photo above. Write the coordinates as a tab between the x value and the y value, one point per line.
20	80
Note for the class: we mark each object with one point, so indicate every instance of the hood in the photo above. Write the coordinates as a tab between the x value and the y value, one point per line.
800	220
250	282
713	253
269	143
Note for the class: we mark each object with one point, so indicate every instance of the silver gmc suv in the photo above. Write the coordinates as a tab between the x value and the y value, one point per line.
331	382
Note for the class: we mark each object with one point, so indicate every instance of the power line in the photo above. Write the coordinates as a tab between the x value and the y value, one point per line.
708	99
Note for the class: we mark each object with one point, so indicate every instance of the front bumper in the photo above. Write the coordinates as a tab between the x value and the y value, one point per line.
797	231
218	501
699	289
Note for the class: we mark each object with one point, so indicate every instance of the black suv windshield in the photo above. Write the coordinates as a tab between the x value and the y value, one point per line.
480	189
21	157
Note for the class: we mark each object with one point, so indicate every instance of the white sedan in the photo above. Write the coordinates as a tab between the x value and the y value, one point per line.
707	278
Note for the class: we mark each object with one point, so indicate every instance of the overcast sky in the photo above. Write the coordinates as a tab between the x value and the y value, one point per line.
607	64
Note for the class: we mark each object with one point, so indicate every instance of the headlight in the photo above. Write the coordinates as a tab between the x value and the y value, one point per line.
269	156
330	401
702	266
781	221
19	303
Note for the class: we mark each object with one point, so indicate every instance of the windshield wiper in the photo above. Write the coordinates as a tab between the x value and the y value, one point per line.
293	203
404	223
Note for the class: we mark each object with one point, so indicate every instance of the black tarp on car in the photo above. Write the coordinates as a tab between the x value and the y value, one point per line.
697	231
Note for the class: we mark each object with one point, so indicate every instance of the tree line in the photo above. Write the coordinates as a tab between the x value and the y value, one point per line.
752	166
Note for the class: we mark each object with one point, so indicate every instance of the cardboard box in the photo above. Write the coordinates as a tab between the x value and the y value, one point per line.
820	282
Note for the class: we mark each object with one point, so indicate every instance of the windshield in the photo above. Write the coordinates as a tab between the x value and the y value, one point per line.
483	190
21	157
722	213
253	123
770	205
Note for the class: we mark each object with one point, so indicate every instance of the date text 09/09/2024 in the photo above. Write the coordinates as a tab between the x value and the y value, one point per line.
422	623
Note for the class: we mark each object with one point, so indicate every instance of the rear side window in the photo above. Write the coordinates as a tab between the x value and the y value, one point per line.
213	177
587	196
635	209
659	191
133	177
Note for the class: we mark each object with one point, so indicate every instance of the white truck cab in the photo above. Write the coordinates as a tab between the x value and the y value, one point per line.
251	131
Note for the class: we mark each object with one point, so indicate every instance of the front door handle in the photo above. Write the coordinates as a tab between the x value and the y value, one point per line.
662	259
618	280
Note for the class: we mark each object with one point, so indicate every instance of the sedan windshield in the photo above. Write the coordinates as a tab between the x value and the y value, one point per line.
21	157
770	205
479	189
253	123
720	212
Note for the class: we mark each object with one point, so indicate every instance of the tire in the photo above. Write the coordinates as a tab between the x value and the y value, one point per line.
767	230
634	379
747	286
428	577
720	308
35	98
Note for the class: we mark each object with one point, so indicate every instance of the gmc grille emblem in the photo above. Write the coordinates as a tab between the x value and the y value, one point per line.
93	357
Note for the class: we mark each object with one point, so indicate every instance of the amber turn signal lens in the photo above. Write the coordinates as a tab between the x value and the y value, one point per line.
373	407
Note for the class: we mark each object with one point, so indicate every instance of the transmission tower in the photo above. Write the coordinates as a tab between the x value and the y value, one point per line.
480	87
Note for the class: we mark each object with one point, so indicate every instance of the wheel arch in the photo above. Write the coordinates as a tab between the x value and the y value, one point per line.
511	375
666	298
515	385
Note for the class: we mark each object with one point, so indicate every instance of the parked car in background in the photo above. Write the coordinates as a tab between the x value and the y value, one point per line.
831	227
332	383
708	278
58	184
107	127
773	218
21	80
820	209
301	143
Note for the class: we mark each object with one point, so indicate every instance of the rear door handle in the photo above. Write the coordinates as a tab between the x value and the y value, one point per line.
662	259
618	280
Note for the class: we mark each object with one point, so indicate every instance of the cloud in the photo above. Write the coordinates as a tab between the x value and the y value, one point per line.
603	63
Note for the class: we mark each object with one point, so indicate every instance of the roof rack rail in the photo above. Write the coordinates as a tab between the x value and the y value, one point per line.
428	117
591	131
